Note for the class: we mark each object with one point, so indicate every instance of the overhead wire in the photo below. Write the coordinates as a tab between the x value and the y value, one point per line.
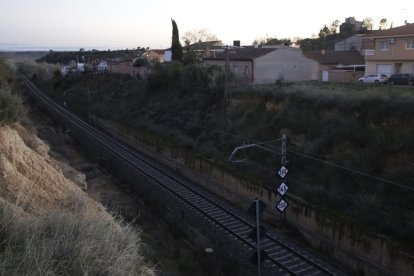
353	201
383	180
352	170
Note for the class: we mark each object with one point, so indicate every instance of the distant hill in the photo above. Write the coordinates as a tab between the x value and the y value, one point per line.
88	56
32	55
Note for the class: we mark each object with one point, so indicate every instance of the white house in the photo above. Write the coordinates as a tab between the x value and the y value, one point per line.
267	65
168	55
353	43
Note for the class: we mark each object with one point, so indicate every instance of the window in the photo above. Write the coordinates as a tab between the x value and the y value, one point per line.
410	44
236	69
383	45
246	70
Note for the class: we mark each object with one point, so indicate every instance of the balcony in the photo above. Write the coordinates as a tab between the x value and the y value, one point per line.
391	54
369	52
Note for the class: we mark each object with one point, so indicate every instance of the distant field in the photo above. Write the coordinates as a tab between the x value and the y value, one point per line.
23	55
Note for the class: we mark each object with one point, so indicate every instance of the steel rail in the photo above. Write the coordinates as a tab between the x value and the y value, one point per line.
229	220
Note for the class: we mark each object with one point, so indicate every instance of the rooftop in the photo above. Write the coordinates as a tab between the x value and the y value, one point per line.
158	51
336	57
404	30
242	54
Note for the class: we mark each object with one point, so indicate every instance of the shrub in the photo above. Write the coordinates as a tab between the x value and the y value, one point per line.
67	244
11	108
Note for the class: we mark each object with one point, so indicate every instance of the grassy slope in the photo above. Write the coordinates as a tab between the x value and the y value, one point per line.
67	242
366	128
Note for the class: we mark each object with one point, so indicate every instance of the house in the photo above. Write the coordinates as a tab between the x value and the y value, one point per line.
355	42
262	65
390	51
127	67
168	55
338	65
74	67
205	49
201	49
102	66
353	24
156	56
80	67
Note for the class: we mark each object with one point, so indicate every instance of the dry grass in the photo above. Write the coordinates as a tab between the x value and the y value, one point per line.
67	241
67	244
11	108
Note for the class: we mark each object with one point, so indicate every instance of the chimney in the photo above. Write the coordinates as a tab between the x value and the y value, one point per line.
236	43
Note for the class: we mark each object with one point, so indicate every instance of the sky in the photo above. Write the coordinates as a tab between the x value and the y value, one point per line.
121	24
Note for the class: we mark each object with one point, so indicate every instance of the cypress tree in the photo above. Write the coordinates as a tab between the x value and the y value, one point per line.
176	48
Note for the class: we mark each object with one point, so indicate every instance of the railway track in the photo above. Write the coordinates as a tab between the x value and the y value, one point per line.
286	258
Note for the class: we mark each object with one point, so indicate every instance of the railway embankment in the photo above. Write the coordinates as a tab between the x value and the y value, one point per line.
349	149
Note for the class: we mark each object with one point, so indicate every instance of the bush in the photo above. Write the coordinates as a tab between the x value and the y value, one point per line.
11	108
67	244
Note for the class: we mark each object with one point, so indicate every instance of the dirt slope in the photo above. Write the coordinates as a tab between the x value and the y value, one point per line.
32	180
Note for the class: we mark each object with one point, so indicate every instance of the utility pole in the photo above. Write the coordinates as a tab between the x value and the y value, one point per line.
258	237
257	207
282	189
226	73
283	150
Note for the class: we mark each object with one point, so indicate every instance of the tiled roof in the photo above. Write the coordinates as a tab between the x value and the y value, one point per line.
242	54
206	44
336	57
404	30
157	51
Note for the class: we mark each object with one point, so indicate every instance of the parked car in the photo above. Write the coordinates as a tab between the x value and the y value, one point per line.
399	78
374	78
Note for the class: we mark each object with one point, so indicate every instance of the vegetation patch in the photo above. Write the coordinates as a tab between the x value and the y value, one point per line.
67	244
350	146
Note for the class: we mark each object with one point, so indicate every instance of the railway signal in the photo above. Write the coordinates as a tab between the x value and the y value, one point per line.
283	171
257	207
252	208
282	188
282	204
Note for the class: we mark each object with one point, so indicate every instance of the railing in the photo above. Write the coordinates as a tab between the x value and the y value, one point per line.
369	52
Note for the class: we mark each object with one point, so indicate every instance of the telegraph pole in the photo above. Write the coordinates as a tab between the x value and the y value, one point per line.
257	207
282	204
226	73
258	237
283	150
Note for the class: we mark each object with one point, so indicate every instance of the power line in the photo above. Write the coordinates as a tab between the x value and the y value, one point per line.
352	170
290	151
186	122
358	203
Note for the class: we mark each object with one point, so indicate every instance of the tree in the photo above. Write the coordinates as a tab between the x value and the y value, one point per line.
268	40
198	35
346	29
324	32
383	24
367	24
334	27
176	48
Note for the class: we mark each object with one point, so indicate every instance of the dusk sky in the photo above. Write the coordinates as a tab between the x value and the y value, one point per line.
120	24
